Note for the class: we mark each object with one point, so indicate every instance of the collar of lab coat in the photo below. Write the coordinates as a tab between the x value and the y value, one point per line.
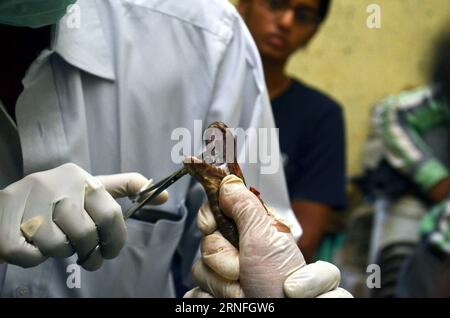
84	45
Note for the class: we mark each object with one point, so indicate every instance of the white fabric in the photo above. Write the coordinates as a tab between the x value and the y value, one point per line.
107	97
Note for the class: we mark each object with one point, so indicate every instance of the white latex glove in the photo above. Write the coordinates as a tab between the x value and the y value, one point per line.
268	263
58	212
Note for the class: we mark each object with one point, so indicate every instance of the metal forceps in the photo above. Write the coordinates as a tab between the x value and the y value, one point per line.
143	198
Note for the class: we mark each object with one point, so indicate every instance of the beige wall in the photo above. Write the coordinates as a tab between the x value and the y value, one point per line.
358	65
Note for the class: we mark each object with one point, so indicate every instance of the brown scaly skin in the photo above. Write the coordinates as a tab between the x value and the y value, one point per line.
210	178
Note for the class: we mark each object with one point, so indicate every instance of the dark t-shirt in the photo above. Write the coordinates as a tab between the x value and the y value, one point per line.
312	141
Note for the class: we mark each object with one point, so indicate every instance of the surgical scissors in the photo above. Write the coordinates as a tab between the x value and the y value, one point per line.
144	197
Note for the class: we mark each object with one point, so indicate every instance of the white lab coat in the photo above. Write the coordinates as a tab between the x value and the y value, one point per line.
107	97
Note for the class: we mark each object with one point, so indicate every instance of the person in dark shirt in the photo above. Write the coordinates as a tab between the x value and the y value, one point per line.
311	124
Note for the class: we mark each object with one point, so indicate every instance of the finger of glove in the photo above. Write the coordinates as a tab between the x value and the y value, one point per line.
206	222
214	284
220	256
21	253
197	293
94	261
129	184
14	248
279	219
107	216
337	293
47	237
240	204
80	229
312	280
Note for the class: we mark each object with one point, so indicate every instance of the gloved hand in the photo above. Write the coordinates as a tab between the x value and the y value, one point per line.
267	254
65	210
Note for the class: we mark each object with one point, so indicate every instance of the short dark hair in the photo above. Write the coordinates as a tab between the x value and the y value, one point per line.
323	9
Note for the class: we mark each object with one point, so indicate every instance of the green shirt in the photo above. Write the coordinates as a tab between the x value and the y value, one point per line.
402	122
435	227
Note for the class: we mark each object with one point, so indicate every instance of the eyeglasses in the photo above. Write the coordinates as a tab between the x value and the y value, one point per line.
303	15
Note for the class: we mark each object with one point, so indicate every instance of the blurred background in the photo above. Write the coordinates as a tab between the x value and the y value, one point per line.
393	239
359	66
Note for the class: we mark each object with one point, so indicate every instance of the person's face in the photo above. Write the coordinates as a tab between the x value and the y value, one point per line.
279	27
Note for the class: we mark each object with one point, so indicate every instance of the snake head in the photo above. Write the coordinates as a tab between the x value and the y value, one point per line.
209	176
214	166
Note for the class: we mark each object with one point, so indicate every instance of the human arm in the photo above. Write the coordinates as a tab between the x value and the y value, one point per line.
317	178
402	121
314	219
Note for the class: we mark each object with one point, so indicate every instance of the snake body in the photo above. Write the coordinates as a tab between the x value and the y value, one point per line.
210	177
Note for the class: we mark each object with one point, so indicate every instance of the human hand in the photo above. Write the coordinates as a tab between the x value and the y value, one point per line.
268	262
58	212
